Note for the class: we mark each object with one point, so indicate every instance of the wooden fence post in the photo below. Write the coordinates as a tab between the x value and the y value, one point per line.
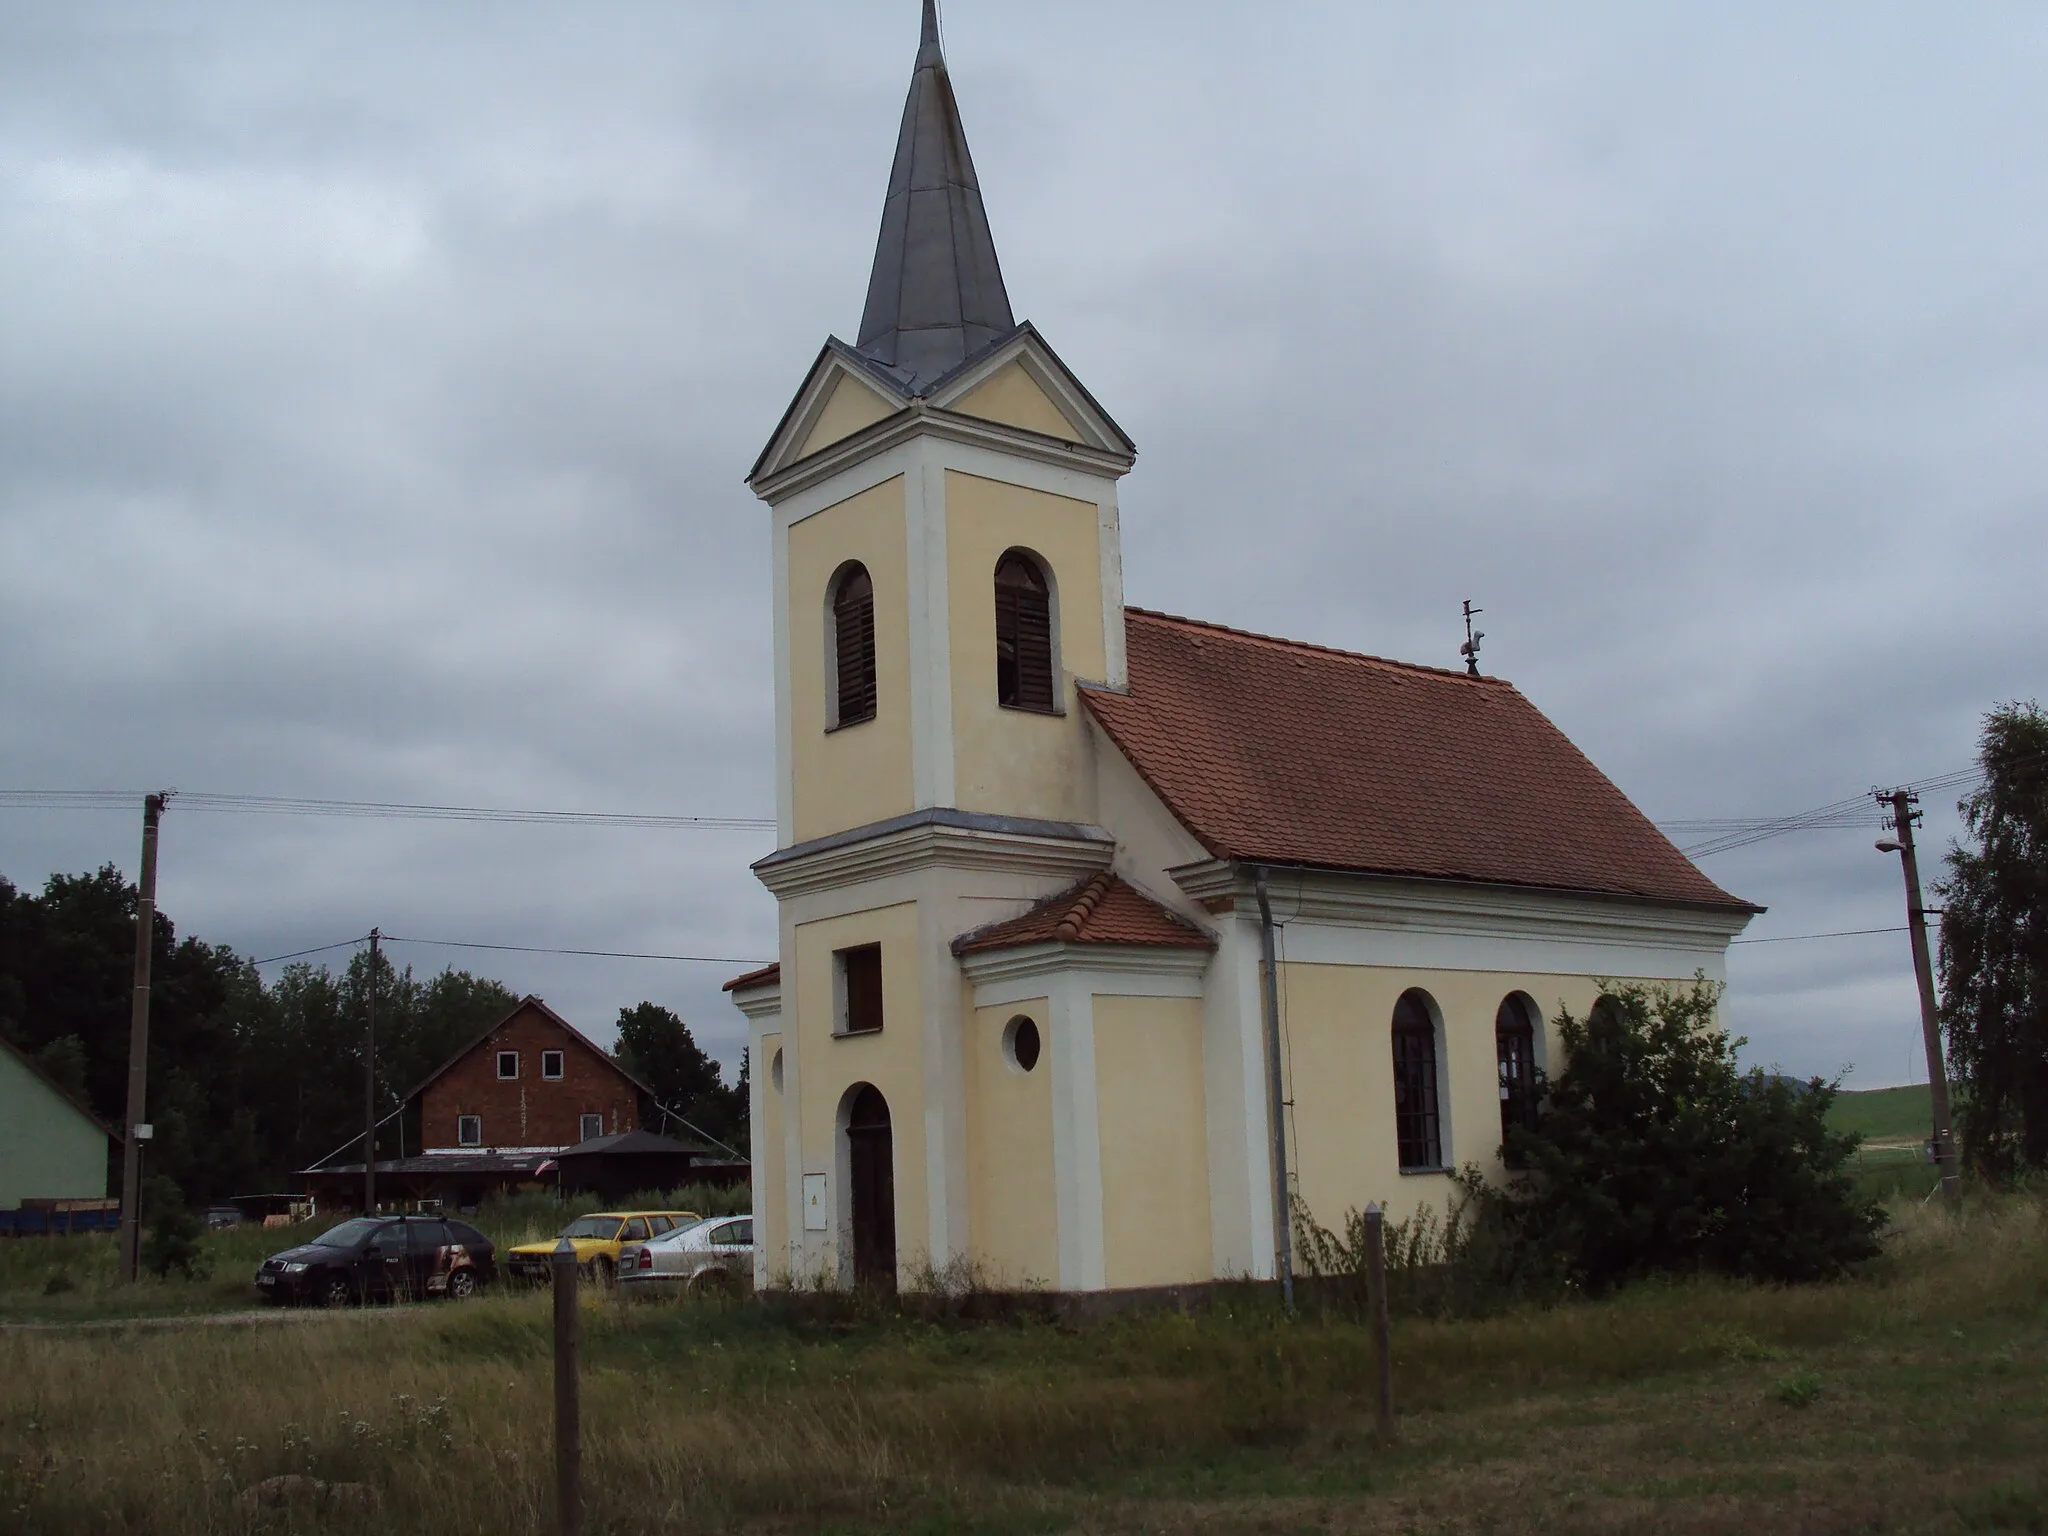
1382	1326
568	1408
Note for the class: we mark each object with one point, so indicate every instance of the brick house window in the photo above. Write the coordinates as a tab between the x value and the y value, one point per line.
469	1130
551	1065
508	1064
859	978
591	1126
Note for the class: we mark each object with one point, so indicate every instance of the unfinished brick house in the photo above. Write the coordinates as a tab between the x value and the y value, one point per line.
531	1082
493	1116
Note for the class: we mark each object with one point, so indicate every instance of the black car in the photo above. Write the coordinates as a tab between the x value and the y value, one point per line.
382	1258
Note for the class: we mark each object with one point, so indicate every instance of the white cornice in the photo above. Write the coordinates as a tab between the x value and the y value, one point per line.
777	484
1115	966
900	850
1459	910
763	1000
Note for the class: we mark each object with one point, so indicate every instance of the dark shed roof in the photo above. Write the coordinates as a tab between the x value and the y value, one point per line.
631	1144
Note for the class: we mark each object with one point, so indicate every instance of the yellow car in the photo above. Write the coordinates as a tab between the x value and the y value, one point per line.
598	1238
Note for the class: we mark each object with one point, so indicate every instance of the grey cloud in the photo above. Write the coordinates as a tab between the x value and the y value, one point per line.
376	389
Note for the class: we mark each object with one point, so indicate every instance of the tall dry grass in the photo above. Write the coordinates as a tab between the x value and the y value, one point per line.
704	1416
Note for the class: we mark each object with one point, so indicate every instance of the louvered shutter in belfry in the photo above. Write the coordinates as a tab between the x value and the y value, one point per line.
1023	636
1034	650
853	613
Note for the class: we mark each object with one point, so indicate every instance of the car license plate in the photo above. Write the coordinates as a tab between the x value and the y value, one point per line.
266	1279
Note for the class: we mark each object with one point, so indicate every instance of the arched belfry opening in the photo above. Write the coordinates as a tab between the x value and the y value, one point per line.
871	1187
851	675
1024	660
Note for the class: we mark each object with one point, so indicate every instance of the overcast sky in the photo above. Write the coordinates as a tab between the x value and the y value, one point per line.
376	385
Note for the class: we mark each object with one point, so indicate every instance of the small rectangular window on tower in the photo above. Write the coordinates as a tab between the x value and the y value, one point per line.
508	1064
551	1065
469	1130
591	1127
858	978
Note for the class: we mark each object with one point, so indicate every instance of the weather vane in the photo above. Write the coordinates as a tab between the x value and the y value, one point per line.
1470	649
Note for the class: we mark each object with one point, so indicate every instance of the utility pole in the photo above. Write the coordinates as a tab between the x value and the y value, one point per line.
1904	813
370	1087
568	1394
138	1044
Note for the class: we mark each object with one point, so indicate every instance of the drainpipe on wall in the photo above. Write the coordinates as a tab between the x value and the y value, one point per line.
1283	1213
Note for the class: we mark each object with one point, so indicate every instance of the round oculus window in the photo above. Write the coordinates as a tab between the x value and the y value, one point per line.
1021	1043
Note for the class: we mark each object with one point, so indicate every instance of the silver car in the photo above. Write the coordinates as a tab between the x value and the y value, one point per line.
715	1255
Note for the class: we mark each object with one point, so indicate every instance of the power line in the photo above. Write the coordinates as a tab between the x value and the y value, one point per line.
602	954
1793	938
284	805
318	949
1731	832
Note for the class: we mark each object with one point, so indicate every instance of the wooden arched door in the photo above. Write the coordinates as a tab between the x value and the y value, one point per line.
871	1165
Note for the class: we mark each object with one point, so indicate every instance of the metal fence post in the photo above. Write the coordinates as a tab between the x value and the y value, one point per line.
1382	1326
568	1408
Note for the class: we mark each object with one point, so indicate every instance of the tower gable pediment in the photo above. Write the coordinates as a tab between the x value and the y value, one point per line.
1016	393
1020	382
841	396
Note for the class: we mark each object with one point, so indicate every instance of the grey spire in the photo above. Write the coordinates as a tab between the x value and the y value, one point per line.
936	294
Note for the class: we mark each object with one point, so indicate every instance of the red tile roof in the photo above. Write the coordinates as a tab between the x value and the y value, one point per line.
1272	751
769	972
1100	910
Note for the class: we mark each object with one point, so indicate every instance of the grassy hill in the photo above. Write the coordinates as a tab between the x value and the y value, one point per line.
1884	1113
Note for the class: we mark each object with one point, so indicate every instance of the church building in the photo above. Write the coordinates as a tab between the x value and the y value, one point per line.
1080	902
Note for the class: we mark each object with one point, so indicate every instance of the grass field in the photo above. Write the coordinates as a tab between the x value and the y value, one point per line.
1885	1114
1910	1399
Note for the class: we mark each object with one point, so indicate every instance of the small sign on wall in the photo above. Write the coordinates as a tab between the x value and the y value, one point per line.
814	1202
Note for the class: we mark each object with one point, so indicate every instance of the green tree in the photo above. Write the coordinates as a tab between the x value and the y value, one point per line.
1994	949
63	1062
656	1046
171	1232
1657	1153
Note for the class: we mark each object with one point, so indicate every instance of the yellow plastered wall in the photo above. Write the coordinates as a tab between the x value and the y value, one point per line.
860	773
771	1221
1155	1168
892	1059
1014	1220
1008	761
1338	1039
1012	397
850	407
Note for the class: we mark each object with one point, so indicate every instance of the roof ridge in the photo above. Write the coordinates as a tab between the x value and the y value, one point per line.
1070	916
1310	646
1082	907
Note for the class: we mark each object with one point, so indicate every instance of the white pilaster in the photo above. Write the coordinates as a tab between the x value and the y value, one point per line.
1076	1136
764	1020
1234	1083
785	762
945	1074
1109	539
931	645
805	1255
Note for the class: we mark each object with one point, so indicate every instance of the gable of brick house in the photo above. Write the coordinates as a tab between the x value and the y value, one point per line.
527	1109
